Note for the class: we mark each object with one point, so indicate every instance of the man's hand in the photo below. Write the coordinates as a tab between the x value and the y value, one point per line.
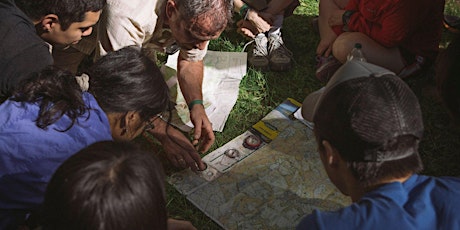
203	136
174	224
246	29
261	24
190	77
179	150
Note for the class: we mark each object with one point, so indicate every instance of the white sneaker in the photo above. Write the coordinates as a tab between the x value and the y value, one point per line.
258	57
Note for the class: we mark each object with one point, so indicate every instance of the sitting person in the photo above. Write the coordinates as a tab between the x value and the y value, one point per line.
108	185
368	126
262	22
402	36
49	118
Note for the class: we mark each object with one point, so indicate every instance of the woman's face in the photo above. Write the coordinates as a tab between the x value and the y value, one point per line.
126	127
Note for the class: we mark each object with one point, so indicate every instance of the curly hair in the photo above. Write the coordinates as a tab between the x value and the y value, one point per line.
122	81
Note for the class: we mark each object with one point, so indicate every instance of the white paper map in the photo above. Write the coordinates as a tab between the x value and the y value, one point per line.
272	187
223	72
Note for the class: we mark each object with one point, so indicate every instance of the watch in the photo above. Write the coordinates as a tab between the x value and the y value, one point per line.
346	16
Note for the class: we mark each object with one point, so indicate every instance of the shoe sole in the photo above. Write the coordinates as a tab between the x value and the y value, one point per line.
280	67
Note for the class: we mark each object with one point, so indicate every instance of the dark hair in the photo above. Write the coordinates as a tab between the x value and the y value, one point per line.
107	185
218	11
122	81
448	79
68	11
356	118
126	80
57	94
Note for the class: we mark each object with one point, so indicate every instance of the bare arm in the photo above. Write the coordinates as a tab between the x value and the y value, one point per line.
177	146
190	77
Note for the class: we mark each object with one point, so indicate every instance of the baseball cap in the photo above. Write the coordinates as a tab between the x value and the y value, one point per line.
364	109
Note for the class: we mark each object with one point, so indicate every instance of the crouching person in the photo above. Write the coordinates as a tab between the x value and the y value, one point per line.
368	126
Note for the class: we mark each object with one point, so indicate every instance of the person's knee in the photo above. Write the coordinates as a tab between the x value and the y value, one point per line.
344	43
340	47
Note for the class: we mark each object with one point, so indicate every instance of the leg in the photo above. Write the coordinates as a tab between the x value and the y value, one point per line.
327	36
375	53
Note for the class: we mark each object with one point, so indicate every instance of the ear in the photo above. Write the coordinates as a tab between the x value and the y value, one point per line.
49	22
332	157
171	7
131	117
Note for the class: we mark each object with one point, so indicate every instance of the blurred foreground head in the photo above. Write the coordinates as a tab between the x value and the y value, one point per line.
107	185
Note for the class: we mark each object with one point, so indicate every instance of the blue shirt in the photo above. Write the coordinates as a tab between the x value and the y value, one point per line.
29	155
421	202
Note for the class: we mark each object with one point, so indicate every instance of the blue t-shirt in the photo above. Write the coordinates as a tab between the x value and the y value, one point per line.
421	202
29	155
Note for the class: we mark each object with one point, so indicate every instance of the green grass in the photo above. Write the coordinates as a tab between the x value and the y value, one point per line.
260	92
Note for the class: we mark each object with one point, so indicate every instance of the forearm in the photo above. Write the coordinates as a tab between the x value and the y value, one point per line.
237	4
190	77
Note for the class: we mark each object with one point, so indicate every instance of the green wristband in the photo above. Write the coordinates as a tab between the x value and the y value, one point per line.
244	9
194	102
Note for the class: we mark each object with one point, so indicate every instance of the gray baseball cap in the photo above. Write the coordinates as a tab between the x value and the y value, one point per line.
366	110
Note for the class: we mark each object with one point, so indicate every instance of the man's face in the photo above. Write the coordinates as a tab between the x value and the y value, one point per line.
192	34
74	32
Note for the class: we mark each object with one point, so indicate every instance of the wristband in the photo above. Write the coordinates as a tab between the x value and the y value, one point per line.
244	10
194	102
346	16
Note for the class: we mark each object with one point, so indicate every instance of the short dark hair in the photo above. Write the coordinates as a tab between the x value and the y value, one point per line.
375	124
68	11
219	11
107	185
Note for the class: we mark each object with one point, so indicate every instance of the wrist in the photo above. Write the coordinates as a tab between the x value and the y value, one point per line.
159	129
244	10
195	102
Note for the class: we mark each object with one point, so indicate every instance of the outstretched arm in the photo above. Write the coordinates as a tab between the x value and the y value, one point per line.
190	77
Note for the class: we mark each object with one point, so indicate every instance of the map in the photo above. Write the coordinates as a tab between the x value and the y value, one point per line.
265	183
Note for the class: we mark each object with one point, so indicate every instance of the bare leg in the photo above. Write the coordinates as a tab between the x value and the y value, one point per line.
326	7
375	53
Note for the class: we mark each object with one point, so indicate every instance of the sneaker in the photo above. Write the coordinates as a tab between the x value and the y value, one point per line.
280	57
326	67
258	57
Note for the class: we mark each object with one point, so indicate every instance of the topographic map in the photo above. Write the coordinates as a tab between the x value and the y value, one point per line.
265	183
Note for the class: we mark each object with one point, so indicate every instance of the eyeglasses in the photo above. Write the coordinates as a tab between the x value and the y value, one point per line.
149	124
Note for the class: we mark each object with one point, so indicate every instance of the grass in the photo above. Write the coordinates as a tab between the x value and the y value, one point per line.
260	92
